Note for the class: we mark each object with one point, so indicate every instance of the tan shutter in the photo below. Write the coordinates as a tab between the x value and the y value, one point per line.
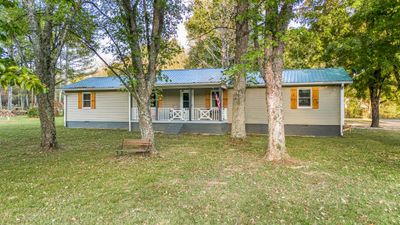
225	99
315	97
79	100
207	99
293	98
160	101
93	100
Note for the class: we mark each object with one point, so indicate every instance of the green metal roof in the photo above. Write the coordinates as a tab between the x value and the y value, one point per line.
216	76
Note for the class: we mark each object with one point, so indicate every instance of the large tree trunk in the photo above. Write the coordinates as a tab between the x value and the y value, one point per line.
238	130
46	107
272	73
145	121
375	100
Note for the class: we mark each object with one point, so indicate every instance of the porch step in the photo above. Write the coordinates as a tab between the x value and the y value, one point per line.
174	128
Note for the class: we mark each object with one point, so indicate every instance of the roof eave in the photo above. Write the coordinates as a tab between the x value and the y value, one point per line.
307	84
92	88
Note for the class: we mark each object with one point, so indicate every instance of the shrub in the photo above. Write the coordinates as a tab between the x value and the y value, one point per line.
33	112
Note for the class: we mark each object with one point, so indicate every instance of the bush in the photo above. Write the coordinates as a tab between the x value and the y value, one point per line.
33	112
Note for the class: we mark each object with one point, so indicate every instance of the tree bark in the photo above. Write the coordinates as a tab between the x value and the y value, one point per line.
46	109
1	100
238	130
10	98
272	74
145	123
375	102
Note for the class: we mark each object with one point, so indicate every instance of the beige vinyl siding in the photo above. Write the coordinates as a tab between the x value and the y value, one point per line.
199	98
111	106
171	99
327	114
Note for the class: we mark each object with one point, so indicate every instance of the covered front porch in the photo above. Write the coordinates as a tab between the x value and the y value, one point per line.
200	105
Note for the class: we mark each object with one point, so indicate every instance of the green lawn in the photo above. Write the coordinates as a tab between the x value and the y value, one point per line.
197	179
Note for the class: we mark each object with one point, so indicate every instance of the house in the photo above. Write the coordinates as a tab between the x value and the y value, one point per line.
200	101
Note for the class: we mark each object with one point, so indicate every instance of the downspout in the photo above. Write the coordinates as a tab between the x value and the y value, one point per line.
341	109
129	111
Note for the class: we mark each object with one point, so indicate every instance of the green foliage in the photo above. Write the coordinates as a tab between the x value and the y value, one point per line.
33	112
211	30
11	74
361	35
304	49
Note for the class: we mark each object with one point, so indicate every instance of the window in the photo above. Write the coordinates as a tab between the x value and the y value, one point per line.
215	99
87	100
153	100
304	98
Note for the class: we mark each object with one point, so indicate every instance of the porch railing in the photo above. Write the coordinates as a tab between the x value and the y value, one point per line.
183	114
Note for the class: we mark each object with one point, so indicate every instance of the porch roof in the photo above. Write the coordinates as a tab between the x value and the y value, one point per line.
212	77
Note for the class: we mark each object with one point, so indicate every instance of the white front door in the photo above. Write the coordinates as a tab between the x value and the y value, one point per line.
185	99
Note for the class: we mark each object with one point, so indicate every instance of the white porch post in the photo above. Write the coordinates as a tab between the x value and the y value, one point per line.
65	109
221	98
130	111
341	109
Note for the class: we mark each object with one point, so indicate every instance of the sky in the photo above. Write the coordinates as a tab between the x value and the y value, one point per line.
182	35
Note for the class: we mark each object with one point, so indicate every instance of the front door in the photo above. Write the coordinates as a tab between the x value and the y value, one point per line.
185	99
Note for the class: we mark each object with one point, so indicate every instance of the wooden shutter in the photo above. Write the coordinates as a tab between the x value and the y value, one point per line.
225	99
93	100
160	101
293	98
315	97
79	100
207	99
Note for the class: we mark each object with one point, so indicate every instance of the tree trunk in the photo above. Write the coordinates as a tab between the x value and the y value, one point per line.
10	98
238	130
46	109
375	99
1	101
22	97
145	121
272	73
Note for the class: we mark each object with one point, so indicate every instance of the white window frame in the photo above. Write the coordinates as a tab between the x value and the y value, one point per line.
211	98
83	100
298	97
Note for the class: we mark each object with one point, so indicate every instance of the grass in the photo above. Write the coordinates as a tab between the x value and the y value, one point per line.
197	179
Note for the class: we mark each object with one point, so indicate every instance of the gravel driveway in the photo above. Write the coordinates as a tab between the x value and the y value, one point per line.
385	124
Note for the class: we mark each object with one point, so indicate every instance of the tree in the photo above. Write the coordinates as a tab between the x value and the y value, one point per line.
139	35
10	73
49	22
211	31
360	35
271	26
238	130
